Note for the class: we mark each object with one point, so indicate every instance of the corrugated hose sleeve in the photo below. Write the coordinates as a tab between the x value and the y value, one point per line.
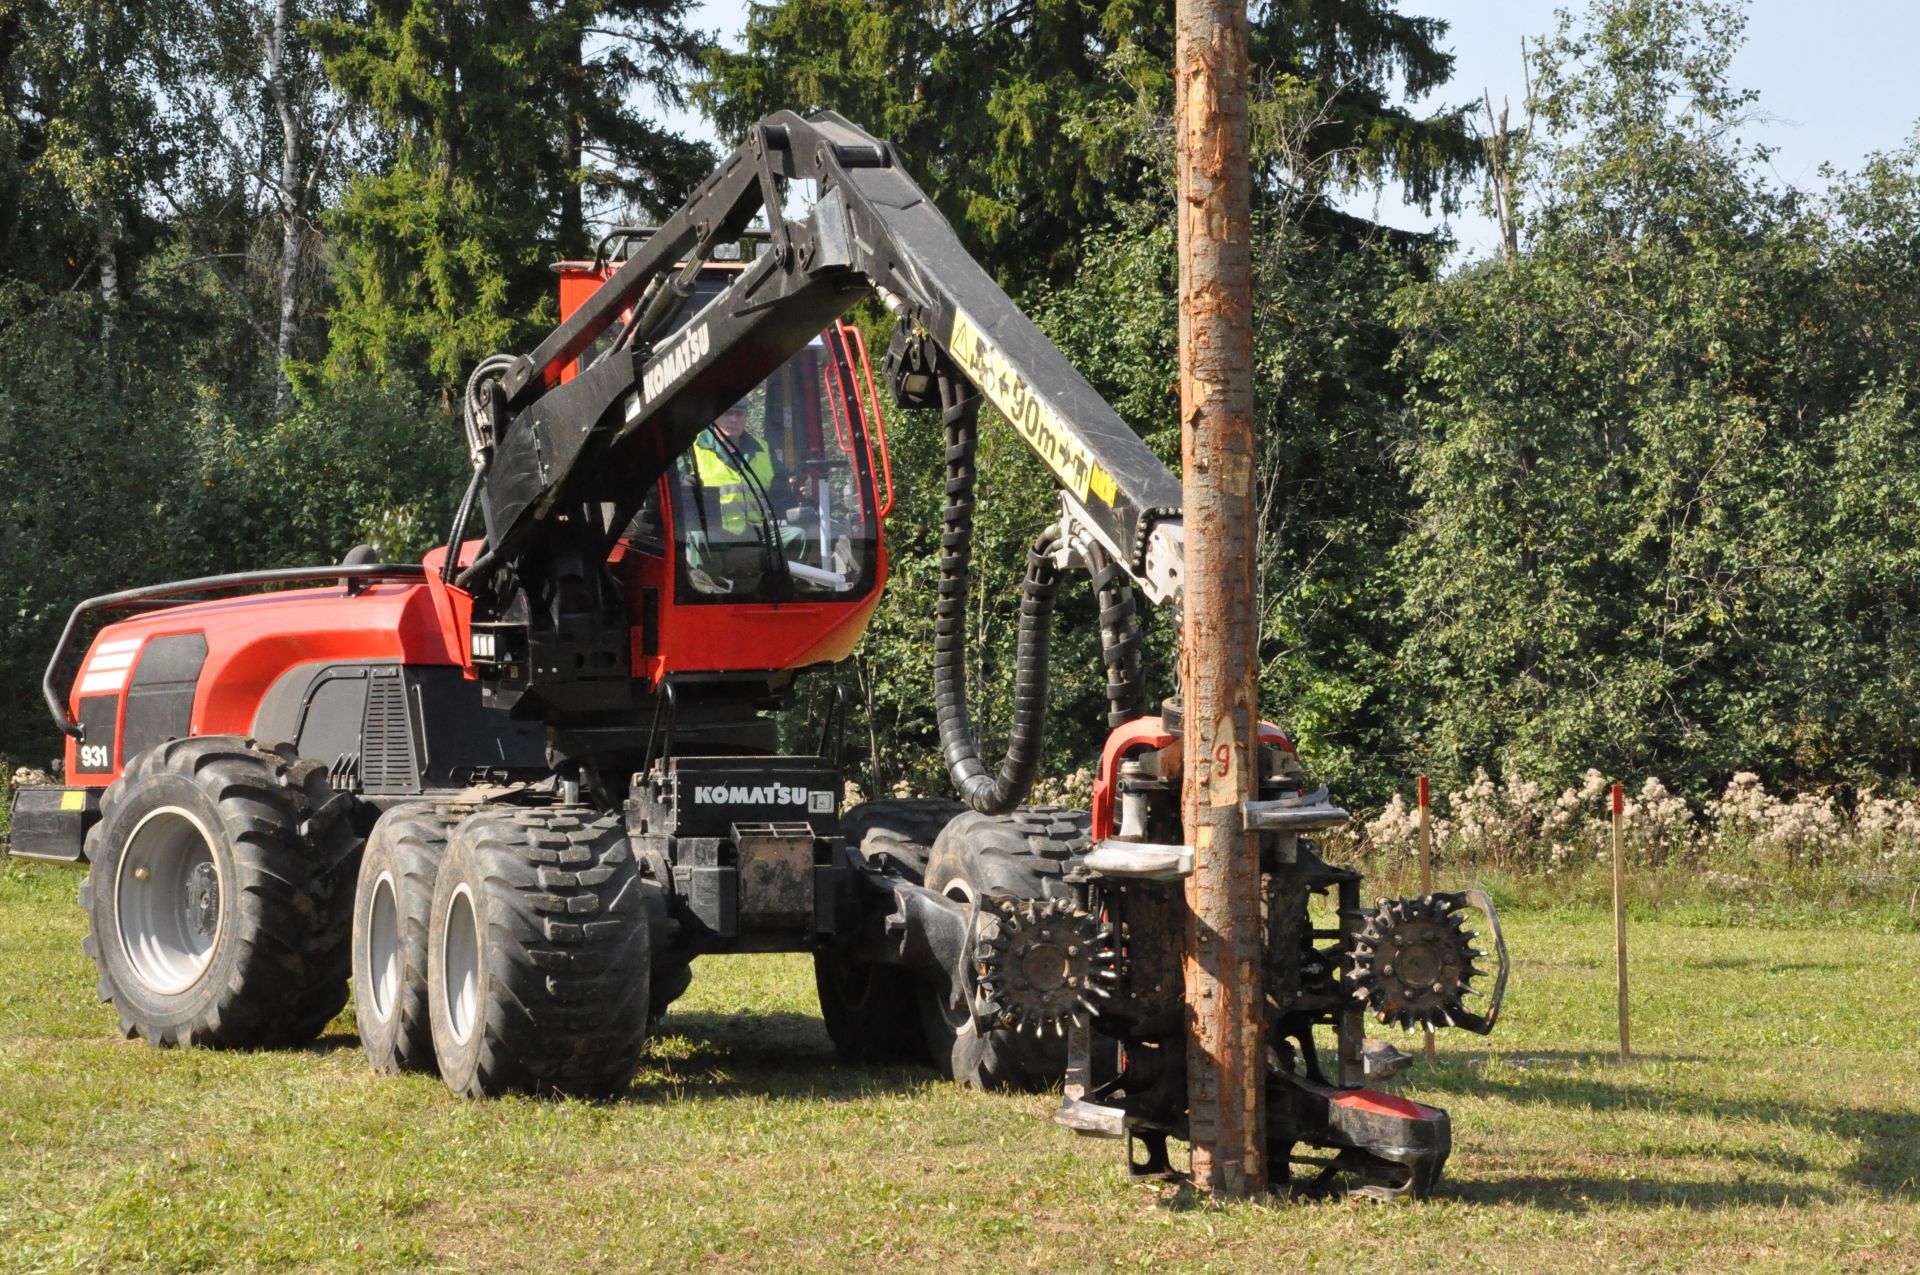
1120	639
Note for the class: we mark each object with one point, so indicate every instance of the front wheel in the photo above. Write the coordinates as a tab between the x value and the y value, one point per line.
538	955
219	893
871	1011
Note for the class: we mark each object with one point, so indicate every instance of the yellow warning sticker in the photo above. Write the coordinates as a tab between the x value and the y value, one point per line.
73	799
1043	428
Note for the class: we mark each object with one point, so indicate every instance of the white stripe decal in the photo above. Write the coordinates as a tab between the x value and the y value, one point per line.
93	683
114	648
106	663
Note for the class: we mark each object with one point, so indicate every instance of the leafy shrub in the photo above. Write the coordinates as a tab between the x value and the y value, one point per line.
1748	844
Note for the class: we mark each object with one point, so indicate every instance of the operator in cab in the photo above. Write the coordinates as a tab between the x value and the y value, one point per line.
766	505
735	469
737	490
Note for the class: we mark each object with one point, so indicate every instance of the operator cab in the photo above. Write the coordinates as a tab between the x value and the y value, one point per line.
773	502
760	548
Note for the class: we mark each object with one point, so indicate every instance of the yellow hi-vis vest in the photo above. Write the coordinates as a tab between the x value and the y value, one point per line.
724	487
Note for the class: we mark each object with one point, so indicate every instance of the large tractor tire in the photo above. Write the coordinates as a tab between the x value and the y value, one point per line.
538	955
977	858
393	909
872	1012
219	895
898	834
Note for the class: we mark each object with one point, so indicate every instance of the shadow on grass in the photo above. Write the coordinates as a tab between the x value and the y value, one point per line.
331	1043
1577	1194
781	1056
1764	966
1885	1144
787	1057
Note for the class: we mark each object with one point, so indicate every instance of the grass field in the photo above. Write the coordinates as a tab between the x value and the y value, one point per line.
1771	1120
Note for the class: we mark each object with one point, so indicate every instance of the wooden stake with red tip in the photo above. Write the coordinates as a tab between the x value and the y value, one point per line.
1423	794
1620	913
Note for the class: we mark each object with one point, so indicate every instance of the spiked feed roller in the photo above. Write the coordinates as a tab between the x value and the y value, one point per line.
1044	961
1413	962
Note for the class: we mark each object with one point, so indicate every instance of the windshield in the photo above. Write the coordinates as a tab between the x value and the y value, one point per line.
772	502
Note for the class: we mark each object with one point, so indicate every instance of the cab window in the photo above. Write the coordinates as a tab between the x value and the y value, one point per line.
773	500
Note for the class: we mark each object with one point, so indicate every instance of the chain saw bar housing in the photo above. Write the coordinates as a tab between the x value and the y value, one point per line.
639	403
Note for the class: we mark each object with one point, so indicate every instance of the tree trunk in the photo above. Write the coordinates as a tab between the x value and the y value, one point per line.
289	202
111	228
1226	1056
573	220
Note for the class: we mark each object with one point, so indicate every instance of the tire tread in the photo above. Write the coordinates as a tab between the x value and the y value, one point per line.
565	1005
294	853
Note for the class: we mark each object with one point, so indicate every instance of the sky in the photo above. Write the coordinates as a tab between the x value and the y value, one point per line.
1837	82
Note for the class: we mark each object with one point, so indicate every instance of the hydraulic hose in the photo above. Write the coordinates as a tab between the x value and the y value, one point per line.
1119	633
473	406
479	452
450	567
1121	644
989	794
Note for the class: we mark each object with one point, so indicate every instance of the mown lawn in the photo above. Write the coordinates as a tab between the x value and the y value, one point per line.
1771	1119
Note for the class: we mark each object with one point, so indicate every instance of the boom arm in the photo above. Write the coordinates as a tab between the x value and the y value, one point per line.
619	424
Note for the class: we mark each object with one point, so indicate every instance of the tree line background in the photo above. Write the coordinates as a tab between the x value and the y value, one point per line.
1638	492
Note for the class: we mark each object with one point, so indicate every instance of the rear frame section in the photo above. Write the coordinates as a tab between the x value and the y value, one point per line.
157	596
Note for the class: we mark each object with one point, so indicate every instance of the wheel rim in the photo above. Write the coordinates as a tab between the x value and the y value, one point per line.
167	900
383	947
460	958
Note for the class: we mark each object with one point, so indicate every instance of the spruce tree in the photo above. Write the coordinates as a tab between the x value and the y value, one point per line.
501	118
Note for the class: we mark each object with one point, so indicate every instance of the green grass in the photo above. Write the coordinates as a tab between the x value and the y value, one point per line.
1770	1119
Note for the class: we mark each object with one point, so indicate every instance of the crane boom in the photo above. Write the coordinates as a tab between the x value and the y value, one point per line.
871	230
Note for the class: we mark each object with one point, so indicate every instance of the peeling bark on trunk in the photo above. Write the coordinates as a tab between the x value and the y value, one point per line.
1226	1065
111	227
289	202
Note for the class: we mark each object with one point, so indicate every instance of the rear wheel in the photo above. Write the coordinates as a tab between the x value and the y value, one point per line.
393	909
872	1012
219	895
538	955
976	859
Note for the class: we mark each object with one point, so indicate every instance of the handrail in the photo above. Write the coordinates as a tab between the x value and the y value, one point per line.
879	422
833	725
667	698
56	702
846	378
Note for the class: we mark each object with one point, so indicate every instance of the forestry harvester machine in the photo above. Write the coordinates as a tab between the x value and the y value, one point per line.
514	791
